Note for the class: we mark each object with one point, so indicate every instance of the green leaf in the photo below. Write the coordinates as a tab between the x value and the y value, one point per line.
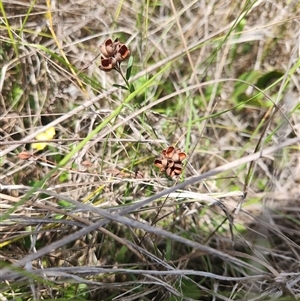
129	67
17	92
240	87
131	88
268	78
64	203
120	86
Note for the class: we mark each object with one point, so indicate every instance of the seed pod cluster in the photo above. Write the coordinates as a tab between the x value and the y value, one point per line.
171	161
112	54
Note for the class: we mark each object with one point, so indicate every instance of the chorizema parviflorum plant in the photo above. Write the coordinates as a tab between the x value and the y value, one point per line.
112	54
75	215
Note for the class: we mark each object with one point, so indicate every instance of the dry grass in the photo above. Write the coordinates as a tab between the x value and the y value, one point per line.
89	217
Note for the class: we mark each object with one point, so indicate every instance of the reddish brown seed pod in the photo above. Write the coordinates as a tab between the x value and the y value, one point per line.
160	164
170	162
177	169
108	48
182	156
107	64
24	155
123	53
175	157
169	152
170	172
